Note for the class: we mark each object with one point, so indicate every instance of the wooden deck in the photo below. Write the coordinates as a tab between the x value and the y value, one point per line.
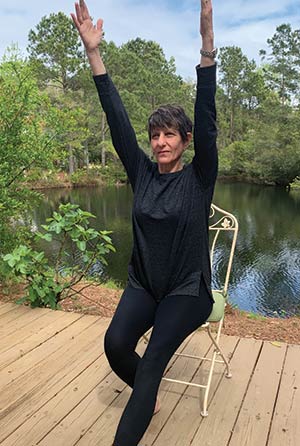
56	388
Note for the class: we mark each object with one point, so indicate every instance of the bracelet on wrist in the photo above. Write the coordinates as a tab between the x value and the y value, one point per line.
210	54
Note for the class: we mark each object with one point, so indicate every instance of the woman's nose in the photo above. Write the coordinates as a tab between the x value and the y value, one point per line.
161	139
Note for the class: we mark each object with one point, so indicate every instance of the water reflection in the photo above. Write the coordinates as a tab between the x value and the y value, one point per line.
266	269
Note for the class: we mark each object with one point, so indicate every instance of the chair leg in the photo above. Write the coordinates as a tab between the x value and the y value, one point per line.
204	412
217	351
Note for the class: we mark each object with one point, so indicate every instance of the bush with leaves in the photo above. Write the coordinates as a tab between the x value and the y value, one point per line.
26	141
47	284
295	184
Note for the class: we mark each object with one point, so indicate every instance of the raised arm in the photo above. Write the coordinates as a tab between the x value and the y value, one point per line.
123	135
205	129
91	36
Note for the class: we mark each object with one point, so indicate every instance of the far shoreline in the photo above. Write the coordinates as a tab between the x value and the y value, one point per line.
64	181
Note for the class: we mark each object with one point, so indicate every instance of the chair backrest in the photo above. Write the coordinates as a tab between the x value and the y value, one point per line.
221	221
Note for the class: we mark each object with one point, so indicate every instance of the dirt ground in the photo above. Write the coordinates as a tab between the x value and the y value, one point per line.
102	301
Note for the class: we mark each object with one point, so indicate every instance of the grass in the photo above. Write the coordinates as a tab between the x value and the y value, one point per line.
112	284
255	316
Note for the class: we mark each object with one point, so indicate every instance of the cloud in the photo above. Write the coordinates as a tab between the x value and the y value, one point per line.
172	23
13	12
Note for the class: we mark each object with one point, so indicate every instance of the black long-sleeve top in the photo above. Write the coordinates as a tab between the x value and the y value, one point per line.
170	210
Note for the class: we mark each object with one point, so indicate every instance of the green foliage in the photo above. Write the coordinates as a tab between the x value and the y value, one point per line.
275	143
258	129
295	184
87	177
47	285
113	173
113	285
234	159
70	123
55	47
243	89
282	70
258	118
145	80
25	141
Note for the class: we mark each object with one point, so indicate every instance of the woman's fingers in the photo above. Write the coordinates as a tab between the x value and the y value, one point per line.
205	3
84	10
206	25
99	26
78	13
206	7
76	23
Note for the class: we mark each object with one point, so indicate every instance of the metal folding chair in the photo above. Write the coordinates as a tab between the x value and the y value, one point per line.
221	222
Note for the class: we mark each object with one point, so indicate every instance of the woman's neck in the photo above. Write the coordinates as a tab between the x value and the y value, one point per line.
170	168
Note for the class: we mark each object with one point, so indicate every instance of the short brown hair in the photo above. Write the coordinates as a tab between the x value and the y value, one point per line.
170	116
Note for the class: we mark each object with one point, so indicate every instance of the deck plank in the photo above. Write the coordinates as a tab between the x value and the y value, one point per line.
32	389
6	307
103	430
21	322
87	386
170	394
226	403
285	429
56	387
10	316
253	422
15	340
82	418
77	422
62	334
187	413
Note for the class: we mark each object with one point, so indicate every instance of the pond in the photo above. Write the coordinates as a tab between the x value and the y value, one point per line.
266	271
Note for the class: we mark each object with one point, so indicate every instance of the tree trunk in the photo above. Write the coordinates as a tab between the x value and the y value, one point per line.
86	156
71	160
232	123
282	91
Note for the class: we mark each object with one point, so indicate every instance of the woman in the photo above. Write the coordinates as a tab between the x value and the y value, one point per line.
169	272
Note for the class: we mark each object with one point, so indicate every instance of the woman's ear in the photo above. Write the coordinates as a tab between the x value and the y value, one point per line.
189	136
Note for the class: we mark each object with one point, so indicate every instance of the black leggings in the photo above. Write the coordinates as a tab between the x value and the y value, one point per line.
173	319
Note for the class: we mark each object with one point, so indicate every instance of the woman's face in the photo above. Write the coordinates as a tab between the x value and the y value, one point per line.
168	147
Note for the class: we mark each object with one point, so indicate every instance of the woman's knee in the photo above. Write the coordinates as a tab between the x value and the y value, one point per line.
116	344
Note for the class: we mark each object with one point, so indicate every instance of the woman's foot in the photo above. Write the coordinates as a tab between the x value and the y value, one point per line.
157	407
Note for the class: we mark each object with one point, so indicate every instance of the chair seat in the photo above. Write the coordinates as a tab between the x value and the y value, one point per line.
218	307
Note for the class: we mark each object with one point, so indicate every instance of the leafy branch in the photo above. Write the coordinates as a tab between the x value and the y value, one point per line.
47	285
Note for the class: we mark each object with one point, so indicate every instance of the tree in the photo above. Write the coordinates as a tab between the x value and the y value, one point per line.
71	127
237	77
156	79
144	79
25	141
55	49
55	45
275	154
253	86
283	62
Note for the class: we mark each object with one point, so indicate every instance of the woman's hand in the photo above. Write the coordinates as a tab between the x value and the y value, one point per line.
207	32
206	22
91	35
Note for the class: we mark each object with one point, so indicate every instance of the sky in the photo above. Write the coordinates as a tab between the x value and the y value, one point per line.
174	24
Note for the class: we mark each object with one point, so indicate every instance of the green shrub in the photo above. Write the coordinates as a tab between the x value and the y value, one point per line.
295	184
46	284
